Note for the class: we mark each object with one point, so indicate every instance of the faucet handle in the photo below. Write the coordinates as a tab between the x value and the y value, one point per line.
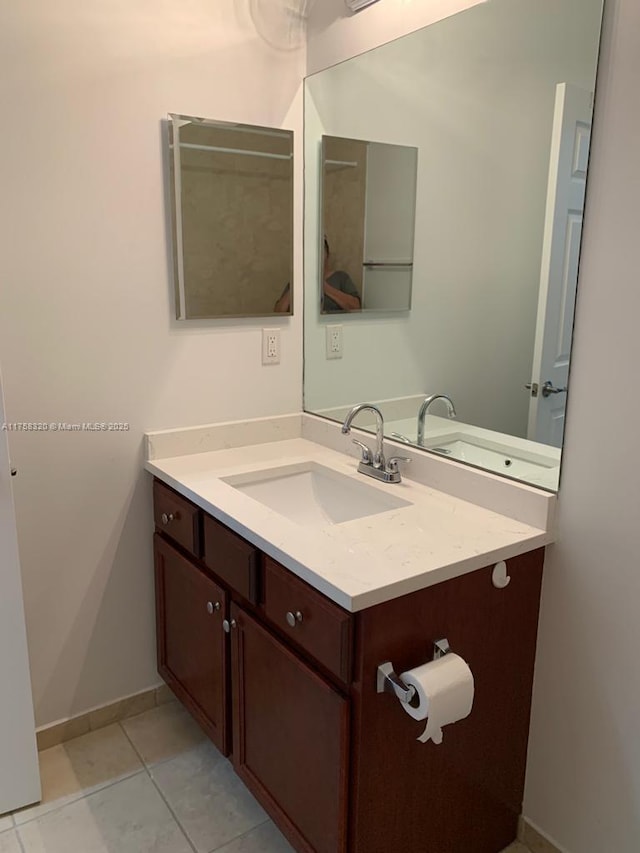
392	463
366	452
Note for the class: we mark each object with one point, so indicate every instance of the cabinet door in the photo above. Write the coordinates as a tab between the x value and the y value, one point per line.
192	653
290	738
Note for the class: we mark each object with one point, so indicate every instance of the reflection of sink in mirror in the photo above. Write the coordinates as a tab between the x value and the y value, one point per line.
312	494
492	456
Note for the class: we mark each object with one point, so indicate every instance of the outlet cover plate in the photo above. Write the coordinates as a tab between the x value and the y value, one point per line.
334	341
271	346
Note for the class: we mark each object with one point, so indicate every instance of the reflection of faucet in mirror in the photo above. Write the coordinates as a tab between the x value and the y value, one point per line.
400	437
339	293
376	466
451	412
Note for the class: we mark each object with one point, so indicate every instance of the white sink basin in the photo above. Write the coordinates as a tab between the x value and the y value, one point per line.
311	494
490	455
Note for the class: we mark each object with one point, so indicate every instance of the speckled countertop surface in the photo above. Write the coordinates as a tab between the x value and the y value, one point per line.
357	563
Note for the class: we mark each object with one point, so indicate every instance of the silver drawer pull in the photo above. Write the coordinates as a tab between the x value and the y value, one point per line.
213	606
228	625
293	618
167	518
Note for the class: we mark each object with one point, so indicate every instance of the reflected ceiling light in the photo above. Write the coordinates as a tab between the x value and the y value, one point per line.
356	5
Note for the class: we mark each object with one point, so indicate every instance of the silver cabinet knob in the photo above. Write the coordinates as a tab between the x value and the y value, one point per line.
213	606
228	625
167	518
293	618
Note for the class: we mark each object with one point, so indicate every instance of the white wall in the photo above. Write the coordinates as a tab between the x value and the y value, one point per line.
86	329
583	780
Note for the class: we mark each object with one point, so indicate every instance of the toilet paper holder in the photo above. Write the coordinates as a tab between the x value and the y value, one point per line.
387	681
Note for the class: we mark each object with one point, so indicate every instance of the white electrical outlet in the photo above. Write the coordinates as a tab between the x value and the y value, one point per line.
271	346
334	341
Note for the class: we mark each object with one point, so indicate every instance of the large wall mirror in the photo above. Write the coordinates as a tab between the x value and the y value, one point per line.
498	101
231	190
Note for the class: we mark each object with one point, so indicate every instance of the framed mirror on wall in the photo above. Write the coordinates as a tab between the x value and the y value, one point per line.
497	101
368	225
231	190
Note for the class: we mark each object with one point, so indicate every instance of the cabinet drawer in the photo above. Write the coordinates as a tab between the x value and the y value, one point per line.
176	517
319	627
231	558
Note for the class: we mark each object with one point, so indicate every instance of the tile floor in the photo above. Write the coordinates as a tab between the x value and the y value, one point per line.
151	784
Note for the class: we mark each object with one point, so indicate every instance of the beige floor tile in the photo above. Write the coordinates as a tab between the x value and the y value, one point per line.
516	847
209	801
9	842
163	732
72	769
6	822
266	838
129	817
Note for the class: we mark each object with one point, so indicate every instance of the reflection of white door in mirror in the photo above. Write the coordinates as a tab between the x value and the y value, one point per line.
559	269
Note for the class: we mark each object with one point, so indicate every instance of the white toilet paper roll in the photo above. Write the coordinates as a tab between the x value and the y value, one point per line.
444	689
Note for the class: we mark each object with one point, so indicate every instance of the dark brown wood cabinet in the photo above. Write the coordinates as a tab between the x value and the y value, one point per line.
309	620
290	738
177	517
191	645
289	689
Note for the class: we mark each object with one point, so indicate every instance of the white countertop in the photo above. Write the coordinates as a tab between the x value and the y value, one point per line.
357	563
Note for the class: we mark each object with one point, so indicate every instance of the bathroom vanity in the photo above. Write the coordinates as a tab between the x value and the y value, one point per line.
271	634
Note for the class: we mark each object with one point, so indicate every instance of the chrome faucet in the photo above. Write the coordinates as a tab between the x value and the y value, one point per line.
378	456
451	411
374	465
